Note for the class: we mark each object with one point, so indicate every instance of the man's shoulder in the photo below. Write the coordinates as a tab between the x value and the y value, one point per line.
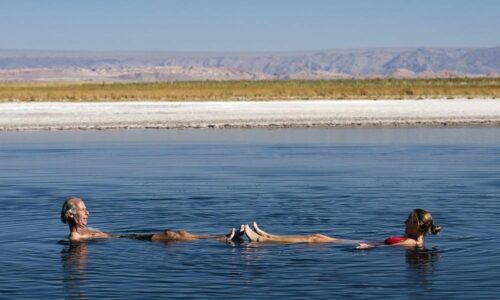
75	236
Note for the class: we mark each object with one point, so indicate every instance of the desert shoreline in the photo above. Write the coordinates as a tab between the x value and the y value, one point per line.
247	114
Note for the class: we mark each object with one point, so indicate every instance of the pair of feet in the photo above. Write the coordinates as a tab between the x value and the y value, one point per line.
254	235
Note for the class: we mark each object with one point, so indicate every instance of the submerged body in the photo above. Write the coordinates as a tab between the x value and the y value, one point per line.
75	214
418	224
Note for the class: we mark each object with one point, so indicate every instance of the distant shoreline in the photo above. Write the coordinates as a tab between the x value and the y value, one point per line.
247	114
256	90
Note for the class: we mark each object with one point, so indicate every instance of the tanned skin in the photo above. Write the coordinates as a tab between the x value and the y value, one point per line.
415	237
260	236
78	224
79	231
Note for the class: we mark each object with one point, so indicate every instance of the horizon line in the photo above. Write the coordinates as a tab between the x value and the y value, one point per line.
244	51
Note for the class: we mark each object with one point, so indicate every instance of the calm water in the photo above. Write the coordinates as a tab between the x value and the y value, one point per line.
350	183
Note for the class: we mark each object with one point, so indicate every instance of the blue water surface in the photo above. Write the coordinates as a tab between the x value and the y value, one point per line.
348	183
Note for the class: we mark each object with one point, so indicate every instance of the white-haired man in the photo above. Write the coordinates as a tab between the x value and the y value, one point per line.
75	214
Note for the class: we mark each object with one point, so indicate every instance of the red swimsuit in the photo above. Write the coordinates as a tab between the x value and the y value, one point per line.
394	240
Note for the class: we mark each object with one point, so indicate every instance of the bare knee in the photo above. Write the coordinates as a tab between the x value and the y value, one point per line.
167	235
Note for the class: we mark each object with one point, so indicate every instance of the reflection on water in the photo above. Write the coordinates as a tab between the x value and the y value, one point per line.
421	263
422	260
348	183
74	262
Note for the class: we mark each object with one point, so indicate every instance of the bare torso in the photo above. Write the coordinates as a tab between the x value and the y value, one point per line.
86	234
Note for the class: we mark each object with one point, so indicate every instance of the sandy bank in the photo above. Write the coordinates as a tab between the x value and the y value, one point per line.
109	115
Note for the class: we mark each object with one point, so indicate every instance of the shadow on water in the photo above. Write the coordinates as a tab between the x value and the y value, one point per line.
74	264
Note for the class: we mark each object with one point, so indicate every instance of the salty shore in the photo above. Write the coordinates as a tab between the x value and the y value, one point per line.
248	114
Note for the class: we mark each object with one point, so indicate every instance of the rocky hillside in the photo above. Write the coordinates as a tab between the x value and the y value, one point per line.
19	65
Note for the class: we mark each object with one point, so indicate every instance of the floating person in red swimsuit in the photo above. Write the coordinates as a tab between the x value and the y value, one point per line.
75	214
418	224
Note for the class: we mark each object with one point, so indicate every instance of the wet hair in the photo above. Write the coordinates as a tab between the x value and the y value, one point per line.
425	223
68	208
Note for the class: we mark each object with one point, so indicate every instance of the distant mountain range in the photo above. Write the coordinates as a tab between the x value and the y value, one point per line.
30	65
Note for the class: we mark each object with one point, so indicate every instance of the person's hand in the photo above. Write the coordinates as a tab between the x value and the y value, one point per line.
235	236
364	246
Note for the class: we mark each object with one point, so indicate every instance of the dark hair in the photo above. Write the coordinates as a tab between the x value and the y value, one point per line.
425	223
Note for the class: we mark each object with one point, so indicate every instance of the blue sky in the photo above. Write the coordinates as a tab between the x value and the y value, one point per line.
253	25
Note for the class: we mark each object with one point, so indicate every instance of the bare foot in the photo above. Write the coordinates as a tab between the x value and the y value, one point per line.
260	231
252	236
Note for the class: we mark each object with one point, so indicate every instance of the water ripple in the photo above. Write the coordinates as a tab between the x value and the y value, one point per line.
357	184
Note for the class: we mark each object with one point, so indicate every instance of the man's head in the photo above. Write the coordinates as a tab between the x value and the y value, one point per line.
74	211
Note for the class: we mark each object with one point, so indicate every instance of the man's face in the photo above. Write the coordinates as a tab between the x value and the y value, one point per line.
82	214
